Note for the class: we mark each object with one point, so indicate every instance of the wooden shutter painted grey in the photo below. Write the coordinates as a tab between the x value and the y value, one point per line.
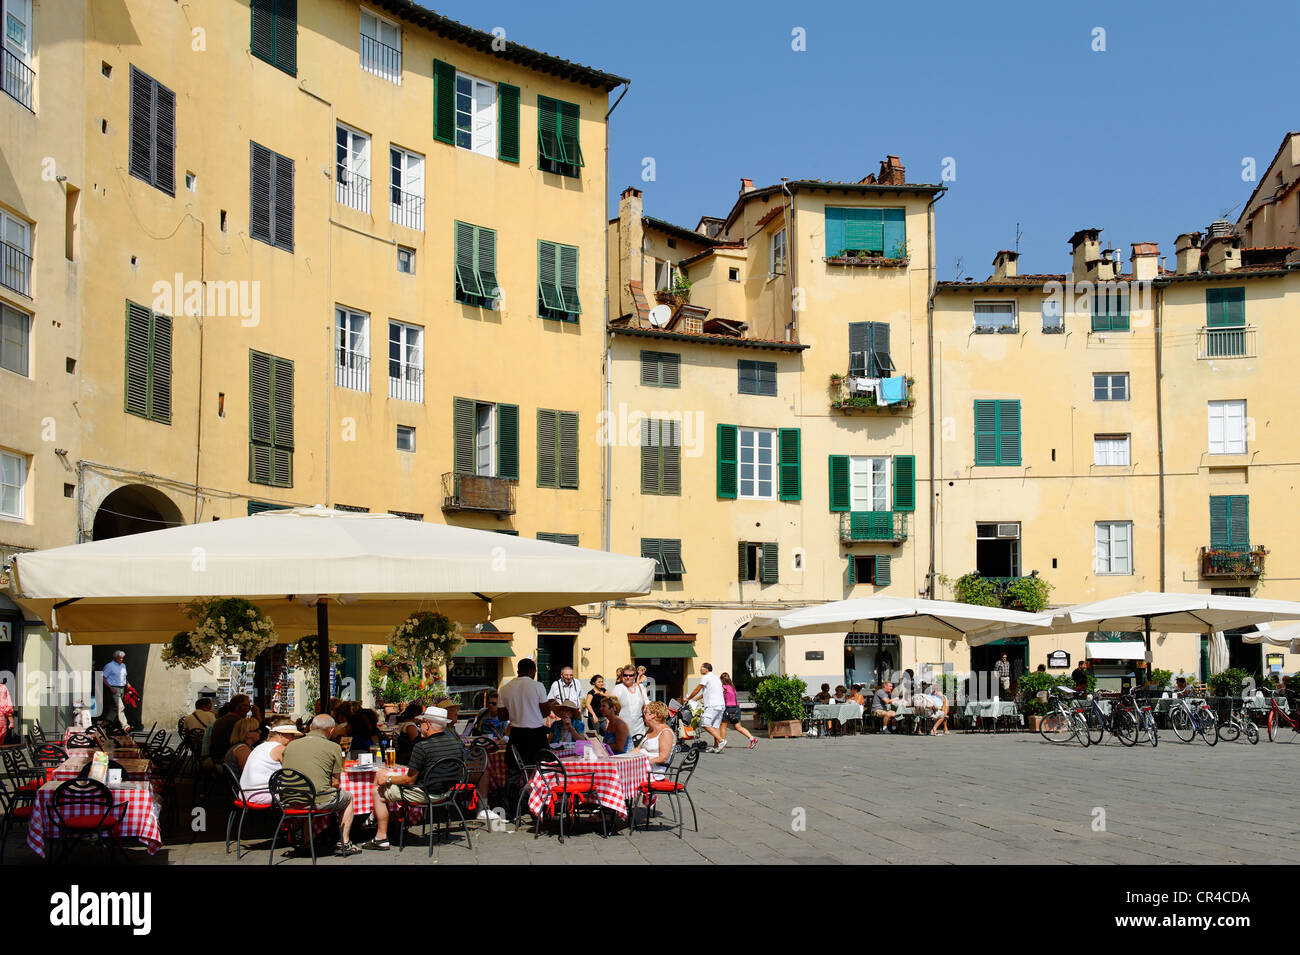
672	551
742	560
546	440
141	160
485	263
259	192
137	359
467	283
651	548
569	279
769	565
259	417
507	441
152	132
282	395
262	43
283	200
547	276
670	440
164	139
463	435
649	456
286	36
878	360
883	578
649	368
859	339
160	370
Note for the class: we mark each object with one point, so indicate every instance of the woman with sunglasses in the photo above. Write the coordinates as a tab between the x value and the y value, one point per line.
632	700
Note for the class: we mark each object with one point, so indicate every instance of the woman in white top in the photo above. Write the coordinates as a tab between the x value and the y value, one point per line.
263	761
632	700
659	739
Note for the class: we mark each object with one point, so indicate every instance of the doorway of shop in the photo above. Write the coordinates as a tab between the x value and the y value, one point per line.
983	667
554	653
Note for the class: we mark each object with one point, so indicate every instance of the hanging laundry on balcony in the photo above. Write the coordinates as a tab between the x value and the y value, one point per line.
865	386
891	391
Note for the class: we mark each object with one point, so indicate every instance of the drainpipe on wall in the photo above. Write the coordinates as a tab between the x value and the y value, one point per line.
929	331
1160	435
788	216
198	417
329	285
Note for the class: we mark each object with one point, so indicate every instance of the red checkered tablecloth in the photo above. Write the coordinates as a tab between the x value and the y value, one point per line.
139	822
132	769
617	781
361	784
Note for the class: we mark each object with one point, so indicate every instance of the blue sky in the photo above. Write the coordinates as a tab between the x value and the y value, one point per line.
1145	139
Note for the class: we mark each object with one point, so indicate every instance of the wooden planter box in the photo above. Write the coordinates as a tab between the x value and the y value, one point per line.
1032	723
784	729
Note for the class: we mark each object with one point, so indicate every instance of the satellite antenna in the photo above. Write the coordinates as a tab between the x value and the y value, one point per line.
659	315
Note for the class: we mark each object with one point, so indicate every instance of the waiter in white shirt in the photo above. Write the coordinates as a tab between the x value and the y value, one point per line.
714	704
566	690
525	702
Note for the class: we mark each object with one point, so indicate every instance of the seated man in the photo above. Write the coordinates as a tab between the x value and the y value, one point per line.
321	761
882	705
202	717
825	695
434	744
1180	687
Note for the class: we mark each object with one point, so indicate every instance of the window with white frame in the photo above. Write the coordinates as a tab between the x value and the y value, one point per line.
406	188
15	254
352	168
1110	450
405	361
405	260
868	484
663	275
776	255
757	464
476	115
995	317
17	74
1107	386
381	46
351	348
1053	315
15	341
1228	426
405	438
13	484
1114	547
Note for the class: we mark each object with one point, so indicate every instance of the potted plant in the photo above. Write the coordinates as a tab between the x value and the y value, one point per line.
427	639
221	625
780	700
1035	689
1028	594
974	589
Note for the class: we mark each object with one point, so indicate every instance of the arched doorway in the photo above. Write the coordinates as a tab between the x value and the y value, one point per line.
131	509
664	658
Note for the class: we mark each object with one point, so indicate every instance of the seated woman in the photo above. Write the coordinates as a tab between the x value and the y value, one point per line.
363	727
938	709
563	731
659	740
616	734
407	732
490	722
243	737
264	761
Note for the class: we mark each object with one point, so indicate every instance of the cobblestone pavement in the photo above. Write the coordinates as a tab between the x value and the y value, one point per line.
980	798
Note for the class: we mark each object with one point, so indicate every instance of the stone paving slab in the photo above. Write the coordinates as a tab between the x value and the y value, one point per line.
987	798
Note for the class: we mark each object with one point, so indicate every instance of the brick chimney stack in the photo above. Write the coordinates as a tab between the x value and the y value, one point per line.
1146	261
746	185
892	172
1223	254
1086	246
1187	253
1005	264
631	239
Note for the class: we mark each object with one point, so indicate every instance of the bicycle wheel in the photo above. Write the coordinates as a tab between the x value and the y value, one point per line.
1252	732
1080	724
1228	732
1184	728
1272	726
1205	725
1096	727
1056	727
1153	734
1125	727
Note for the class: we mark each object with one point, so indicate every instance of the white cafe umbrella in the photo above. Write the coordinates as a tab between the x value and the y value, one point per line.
1218	660
1287	635
306	565
897	615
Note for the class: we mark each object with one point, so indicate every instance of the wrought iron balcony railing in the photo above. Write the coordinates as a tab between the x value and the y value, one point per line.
887	526
478	492
19	79
1236	563
1233	341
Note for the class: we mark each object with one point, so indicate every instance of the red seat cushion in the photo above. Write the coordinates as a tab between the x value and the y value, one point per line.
661	786
89	822
22	812
289	811
241	804
33	785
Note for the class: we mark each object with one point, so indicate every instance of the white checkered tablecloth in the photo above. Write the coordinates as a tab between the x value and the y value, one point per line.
617	781
139	822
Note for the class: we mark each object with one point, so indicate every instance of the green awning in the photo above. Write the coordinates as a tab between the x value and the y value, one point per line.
485	648
674	650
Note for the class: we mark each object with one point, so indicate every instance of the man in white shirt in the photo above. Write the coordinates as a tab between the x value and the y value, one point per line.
526	703
566	690
631	701
714	703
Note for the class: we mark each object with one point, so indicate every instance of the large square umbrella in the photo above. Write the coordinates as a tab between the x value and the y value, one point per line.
898	615
302	565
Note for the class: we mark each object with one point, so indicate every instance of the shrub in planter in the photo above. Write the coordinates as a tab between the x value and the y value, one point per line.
1161	678
1029	593
1228	683
780	698
1031	684
974	589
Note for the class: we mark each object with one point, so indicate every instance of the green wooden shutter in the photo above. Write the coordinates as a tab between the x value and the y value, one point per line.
650	368
670	456
286	36
1239	521
463	436
853	570
282	441
568	451
568	133
986	432
650	457
838	467
485	264
262	40
508	122
548	130
259	192
727	458
672	551
769	565
444	102
508	441
883	578
1220	524
548	288
138	320
160	369
651	547
1225	307
467	283
895	234
569	279
547	441
834	232
742	561
282	202
905	482
1008	432
260	429
788	449
670	370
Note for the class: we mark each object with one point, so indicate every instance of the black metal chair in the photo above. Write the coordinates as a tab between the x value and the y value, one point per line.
49	755
568	791
164	764
241	800
519	783
436	789
81	741
23	771
17	805
81	808
295	796
36	734
143	735
476	760
677	775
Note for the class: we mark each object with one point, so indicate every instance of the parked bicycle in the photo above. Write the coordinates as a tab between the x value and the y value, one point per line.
1144	718
1119	719
1187	721
1279	715
1065	720
1238	724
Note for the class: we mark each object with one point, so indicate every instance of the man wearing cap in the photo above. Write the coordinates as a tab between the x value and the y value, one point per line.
566	690
321	761
115	688
264	760
434	744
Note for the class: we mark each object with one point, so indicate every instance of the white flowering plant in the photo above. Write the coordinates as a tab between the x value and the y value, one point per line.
305	654
426	638
230	624
183	654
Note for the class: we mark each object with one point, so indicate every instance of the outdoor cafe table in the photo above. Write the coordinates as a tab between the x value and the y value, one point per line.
132	769
140	820
837	711
992	710
617	779
360	782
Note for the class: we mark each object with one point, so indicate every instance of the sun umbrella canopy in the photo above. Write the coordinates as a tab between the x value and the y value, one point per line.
373	569
1287	635
1174	613
896	615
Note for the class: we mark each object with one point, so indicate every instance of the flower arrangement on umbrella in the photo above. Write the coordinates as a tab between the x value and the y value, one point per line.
221	625
427	639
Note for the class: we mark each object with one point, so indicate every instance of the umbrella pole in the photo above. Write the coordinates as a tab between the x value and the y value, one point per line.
323	638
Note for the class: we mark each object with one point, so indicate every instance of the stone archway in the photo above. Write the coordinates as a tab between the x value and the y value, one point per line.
134	509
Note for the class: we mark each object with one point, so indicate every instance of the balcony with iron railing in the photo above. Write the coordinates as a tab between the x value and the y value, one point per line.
351	189
478	492
351	370
889	527
407	384
1236	563
1231	341
406	208
381	59
15	269
849	395
19	79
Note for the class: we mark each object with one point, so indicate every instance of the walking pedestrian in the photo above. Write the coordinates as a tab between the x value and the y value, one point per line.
731	711
114	674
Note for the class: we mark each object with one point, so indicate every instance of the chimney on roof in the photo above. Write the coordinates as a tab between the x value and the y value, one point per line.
892	172
1146	261
1005	264
631	240
746	185
1223	253
1187	253
630	192
1087	265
